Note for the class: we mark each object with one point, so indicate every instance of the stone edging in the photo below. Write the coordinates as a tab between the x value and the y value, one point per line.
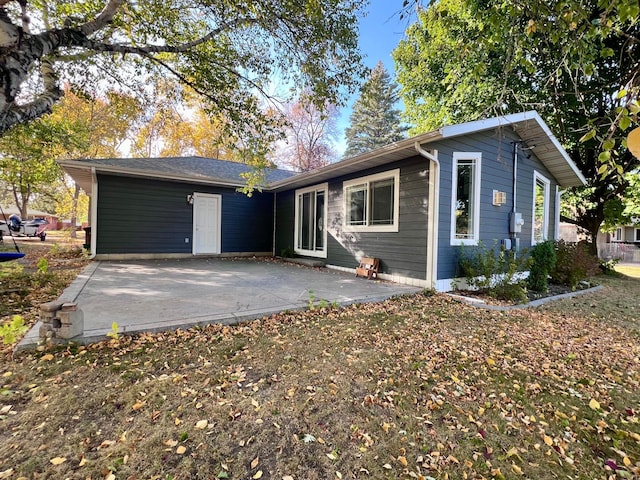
535	303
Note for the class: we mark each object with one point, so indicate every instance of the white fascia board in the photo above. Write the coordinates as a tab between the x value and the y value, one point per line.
450	131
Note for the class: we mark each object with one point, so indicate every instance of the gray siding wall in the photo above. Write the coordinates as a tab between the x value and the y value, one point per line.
496	173
152	216
401	253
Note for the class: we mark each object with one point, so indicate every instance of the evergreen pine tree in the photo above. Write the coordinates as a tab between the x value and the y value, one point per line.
374	120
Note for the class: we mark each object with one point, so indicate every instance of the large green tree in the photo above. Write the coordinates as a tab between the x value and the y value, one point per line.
28	156
375	120
575	62
228	51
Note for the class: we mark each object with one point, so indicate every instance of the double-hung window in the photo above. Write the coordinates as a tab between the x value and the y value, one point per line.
371	203
311	218
465	196
540	230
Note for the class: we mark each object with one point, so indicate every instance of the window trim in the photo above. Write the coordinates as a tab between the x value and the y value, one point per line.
477	177
636	235
547	192
322	187
618	238
368	180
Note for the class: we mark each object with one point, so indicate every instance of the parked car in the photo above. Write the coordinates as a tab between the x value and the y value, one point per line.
29	228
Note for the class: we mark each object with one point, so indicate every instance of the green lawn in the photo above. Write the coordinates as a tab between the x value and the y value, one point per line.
415	387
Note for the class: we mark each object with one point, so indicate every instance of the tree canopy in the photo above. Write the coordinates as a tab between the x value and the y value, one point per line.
375	120
575	62
229	52
310	134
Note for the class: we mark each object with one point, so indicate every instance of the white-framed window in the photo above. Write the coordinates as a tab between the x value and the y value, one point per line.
465	198
371	204
311	221
540	224
636	236
617	235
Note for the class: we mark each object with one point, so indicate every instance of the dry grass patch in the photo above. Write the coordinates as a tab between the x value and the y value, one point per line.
415	387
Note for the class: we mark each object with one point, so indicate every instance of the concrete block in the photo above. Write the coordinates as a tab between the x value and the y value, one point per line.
71	323
50	307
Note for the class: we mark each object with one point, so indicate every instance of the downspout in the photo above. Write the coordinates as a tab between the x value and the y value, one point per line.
559	193
434	207
514	235
93	221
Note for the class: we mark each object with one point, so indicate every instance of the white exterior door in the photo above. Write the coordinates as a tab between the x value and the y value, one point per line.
207	213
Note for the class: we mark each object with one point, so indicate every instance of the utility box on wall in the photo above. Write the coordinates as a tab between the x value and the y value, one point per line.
515	222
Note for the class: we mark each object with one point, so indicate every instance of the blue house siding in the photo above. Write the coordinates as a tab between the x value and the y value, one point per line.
496	174
141	216
285	221
401	253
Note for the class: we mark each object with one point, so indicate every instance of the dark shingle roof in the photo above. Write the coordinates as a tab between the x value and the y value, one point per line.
206	169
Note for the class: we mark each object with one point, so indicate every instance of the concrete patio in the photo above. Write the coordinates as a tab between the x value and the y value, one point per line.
156	295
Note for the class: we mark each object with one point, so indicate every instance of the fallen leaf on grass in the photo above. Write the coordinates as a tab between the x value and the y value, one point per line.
138	405
46	358
202	424
106	443
171	443
594	404
181	449
548	440
287	477
403	461
9	472
257	475
58	460
254	462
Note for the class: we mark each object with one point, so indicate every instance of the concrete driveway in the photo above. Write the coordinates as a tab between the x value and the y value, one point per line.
155	295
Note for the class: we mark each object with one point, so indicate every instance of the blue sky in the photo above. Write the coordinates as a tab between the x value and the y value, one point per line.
380	32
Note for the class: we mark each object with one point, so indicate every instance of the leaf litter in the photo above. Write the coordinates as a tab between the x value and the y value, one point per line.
417	387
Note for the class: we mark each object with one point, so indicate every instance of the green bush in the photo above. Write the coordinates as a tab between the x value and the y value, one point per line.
494	270
543	261
11	331
574	263
510	292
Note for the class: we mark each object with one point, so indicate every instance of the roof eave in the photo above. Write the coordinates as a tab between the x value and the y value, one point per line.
74	164
335	169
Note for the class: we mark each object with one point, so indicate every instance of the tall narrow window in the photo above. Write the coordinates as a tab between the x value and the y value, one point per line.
465	221
310	228
371	203
540	209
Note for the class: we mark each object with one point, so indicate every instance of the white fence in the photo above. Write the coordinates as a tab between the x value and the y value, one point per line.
625	252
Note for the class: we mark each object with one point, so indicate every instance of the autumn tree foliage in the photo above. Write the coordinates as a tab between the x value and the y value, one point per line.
574	62
310	136
80	126
228	52
176	123
375	120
